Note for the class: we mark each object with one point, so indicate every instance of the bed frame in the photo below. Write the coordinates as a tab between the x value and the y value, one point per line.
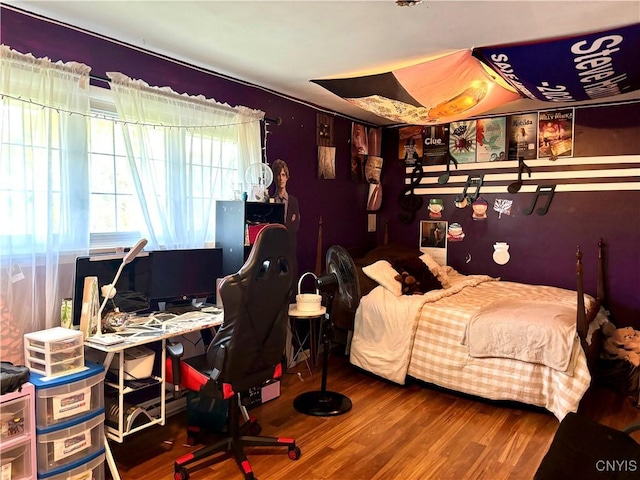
584	317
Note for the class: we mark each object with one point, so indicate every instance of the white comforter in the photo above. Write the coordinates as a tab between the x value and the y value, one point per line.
424	337
535	332
385	325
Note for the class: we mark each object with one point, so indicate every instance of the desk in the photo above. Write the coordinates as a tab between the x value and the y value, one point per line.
296	314
135	336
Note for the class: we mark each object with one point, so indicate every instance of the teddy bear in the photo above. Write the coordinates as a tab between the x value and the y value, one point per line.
410	285
623	344
414	276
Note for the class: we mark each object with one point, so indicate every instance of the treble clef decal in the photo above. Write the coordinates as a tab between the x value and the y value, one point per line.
409	201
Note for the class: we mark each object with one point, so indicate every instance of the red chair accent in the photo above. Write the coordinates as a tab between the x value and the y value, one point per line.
245	352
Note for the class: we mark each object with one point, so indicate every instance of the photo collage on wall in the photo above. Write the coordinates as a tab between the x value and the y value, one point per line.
546	134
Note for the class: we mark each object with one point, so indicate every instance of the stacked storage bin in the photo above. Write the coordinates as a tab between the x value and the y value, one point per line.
17	434
70	424
53	352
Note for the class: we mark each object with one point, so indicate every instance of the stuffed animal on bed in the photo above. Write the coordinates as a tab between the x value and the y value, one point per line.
415	276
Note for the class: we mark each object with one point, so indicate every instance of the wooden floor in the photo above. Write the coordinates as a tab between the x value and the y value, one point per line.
414	432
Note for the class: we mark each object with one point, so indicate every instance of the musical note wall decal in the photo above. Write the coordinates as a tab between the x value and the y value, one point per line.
467	198
444	178
409	202
515	186
541	191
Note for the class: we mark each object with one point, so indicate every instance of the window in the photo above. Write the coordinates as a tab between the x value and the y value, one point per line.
31	177
91	177
115	214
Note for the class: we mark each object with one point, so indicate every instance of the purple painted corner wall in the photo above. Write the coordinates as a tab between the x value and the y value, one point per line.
542	248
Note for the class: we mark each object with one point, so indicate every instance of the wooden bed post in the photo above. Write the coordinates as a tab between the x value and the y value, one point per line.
581	319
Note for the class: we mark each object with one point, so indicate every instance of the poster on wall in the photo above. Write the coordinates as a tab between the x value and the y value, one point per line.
326	163
410	144
433	239
359	139
375	142
555	133
359	150
491	139
523	136
436	144
462	141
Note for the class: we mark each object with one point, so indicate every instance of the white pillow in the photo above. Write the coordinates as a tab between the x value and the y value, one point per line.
384	274
438	270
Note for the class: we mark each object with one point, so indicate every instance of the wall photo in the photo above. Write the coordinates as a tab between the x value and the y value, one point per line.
433	239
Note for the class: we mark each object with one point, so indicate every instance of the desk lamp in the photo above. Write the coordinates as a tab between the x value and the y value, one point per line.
109	290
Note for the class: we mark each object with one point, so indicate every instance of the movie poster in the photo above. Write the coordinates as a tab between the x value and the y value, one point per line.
491	139
523	136
410	144
436	144
555	133
462	141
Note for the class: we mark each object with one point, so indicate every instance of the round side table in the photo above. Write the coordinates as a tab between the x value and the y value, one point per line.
312	317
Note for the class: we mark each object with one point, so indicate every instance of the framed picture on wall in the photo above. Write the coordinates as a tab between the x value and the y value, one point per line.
433	239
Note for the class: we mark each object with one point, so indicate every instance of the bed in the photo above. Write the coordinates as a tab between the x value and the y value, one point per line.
481	336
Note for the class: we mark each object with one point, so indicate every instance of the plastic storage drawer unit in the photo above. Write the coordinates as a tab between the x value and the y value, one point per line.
70	398
61	449
53	352
16	462
15	419
89	468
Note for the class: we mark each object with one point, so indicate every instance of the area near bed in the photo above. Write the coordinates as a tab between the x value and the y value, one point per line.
461	338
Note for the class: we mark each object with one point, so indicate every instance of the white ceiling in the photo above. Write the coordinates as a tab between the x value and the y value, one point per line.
282	45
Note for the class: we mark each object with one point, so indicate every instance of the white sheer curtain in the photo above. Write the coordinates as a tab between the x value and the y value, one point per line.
44	199
184	152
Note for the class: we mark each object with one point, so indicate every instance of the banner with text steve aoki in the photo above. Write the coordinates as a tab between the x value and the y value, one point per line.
576	68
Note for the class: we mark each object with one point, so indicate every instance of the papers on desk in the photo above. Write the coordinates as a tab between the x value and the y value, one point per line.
105	339
195	315
154	328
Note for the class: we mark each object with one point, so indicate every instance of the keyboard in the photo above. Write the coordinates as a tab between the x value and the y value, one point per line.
180	309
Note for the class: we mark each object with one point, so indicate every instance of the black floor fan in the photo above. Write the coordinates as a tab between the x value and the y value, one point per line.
340	284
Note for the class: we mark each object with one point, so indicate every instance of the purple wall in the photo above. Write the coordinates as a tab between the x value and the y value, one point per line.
340	202
542	248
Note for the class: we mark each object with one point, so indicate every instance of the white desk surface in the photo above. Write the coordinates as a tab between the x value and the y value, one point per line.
140	334
294	312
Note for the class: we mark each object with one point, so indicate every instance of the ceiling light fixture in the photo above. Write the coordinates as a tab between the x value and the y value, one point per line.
407	3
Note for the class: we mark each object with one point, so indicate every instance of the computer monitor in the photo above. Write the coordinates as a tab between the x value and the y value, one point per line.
132	288
180	276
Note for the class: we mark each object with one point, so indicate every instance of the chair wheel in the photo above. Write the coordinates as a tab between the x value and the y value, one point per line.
294	453
255	429
181	474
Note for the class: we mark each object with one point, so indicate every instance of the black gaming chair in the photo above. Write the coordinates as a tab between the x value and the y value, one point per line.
246	351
